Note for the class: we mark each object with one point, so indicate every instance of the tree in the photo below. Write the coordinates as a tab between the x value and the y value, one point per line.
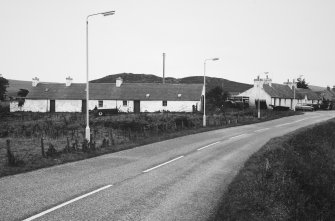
302	83
22	93
215	98
3	87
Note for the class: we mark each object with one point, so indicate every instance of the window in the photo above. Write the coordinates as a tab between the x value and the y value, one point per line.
101	103
125	103
164	103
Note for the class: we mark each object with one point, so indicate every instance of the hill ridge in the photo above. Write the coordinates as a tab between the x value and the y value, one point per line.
211	82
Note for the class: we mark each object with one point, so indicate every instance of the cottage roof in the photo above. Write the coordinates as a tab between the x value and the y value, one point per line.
109	91
279	90
326	94
311	95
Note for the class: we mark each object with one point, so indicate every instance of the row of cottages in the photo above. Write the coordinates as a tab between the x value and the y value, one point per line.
126	97
327	94
273	94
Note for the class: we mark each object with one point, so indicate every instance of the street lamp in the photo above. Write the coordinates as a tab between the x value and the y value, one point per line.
87	130
204	117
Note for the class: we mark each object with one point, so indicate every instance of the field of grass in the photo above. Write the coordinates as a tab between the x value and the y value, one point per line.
62	134
290	178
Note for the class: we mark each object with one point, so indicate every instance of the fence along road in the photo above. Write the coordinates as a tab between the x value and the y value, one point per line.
177	179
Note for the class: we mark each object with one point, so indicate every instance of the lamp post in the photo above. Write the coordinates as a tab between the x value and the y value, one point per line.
87	130
204	117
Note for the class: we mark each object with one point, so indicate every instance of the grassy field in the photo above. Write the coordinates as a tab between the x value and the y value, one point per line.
290	178
62	134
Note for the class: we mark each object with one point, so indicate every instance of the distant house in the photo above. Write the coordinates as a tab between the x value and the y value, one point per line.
127	97
287	94
327	94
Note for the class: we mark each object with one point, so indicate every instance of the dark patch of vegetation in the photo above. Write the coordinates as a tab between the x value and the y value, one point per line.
290	178
215	98
301	83
3	88
22	93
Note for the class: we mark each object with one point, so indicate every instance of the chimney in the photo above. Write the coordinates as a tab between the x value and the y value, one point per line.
119	81
268	81
258	82
68	81
334	88
292	84
35	81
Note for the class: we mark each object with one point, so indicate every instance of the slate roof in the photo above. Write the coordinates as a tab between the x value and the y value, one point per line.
327	94
279	91
109	91
284	91
311	95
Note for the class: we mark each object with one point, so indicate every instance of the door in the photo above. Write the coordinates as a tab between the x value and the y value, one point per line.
83	106
137	107
52	106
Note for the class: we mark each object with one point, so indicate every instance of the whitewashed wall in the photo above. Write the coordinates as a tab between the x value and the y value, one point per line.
36	105
68	105
76	105
172	106
255	93
109	104
14	106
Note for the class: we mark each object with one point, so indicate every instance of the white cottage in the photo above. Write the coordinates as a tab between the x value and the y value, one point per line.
127	97
287	94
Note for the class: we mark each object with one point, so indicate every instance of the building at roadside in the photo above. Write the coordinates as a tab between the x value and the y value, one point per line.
285	95
327	94
126	97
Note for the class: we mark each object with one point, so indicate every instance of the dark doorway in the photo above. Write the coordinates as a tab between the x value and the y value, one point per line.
137	107
52	106
83	106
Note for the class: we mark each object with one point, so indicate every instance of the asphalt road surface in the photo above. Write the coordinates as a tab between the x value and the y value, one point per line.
177	179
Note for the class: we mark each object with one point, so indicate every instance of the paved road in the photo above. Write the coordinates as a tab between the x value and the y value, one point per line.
177	179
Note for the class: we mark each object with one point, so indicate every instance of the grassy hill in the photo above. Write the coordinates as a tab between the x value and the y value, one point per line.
16	85
211	82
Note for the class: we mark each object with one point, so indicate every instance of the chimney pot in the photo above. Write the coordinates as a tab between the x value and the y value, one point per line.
118	82
68	81
35	81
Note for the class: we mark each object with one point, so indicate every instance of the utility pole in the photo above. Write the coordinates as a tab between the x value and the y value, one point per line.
163	68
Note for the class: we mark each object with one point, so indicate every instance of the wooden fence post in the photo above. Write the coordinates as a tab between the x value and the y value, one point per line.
67	144
42	146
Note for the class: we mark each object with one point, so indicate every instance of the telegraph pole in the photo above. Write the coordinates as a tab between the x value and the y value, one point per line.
163	68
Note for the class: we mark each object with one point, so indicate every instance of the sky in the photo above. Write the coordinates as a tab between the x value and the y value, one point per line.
286	38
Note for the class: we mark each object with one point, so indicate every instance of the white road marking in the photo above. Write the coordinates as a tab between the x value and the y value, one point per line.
260	130
238	136
299	120
170	161
208	145
66	203
282	124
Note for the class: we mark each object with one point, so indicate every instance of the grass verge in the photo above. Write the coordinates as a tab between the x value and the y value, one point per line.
290	178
